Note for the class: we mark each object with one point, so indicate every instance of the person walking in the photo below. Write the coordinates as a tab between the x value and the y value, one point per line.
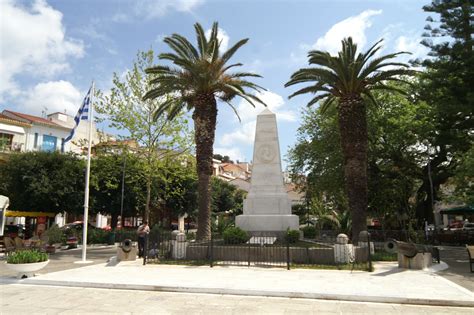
142	232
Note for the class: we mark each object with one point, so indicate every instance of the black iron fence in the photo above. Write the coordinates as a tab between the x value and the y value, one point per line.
262	251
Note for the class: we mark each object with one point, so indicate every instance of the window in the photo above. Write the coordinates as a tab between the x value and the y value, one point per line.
62	145
49	143
6	141
35	145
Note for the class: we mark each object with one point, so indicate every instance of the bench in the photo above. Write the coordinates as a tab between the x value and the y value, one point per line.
470	251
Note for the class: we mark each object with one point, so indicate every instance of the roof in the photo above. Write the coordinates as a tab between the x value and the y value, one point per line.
34	119
10	120
459	210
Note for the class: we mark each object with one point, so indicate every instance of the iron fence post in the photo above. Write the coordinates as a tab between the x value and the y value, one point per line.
145	249
369	252
288	253
211	252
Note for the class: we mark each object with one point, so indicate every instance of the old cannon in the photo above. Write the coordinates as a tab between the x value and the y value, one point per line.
411	255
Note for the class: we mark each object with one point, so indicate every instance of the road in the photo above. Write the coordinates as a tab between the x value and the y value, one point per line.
458	260
24	299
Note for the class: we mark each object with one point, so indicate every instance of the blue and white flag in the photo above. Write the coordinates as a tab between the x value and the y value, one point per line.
82	114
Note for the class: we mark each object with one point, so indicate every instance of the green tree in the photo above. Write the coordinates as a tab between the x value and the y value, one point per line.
345	80
126	110
106	185
200	78
226	197
447	86
43	181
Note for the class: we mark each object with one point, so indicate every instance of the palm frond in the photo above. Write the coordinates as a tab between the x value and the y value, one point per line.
201	39
231	51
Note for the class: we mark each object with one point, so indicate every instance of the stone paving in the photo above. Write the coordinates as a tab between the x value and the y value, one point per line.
26	299
387	284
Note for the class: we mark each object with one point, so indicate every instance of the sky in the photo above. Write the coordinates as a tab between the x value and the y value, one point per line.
51	50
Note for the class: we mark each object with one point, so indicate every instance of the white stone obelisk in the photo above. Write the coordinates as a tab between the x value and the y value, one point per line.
267	207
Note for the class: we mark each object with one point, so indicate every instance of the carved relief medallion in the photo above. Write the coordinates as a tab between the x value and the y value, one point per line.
266	153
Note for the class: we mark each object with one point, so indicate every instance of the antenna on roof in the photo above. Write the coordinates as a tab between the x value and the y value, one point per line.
44	111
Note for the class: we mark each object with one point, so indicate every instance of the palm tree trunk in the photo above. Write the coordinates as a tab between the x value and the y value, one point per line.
204	116
354	142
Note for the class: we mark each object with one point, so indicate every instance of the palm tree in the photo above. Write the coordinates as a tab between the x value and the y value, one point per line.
200	76
347	81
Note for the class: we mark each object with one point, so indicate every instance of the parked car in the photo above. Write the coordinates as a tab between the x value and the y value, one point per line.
468	226
13	231
77	226
454	226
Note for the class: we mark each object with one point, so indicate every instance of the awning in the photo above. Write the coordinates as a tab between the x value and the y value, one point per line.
11	213
11	129
458	210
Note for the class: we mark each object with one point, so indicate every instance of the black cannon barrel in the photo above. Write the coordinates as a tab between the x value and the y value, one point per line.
407	249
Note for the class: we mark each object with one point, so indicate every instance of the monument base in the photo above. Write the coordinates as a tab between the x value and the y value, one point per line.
267	224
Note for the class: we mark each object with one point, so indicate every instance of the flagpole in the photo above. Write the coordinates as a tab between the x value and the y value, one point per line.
88	170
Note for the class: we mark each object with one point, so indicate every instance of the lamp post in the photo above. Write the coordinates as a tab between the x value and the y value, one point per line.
123	191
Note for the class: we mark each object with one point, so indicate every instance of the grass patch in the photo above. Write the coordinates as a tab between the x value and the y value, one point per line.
356	266
384	256
178	262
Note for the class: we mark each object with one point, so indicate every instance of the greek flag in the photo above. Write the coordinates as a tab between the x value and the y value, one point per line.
82	114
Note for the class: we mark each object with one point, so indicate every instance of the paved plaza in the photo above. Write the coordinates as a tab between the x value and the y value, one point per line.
131	288
26	299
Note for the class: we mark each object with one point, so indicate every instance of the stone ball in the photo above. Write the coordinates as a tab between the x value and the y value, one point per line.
342	239
363	236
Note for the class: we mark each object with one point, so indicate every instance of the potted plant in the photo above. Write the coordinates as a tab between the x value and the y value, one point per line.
55	236
27	261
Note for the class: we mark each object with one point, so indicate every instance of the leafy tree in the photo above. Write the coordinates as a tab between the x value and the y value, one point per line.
447	86
344	81
43	181
226	197
200	78
106	185
126	110
463	180
176	188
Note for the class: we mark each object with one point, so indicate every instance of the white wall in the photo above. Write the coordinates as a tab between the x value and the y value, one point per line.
44	130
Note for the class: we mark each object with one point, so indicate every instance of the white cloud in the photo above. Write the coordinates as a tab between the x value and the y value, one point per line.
33	42
353	26
158	8
245	132
222	37
412	45
55	96
275	103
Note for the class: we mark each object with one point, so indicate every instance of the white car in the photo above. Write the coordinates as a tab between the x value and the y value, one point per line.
468	226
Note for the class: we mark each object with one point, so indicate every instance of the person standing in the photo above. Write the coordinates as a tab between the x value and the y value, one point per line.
142	232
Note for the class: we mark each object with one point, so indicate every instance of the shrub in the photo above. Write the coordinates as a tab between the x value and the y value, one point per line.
26	256
292	236
97	236
235	235
55	235
309	232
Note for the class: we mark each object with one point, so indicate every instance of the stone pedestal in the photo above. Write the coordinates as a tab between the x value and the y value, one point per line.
178	246
343	252
420	261
129	255
267	207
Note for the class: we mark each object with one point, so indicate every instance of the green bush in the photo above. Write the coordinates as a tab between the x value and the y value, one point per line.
97	236
126	233
309	231
292	236
235	235
55	235
26	256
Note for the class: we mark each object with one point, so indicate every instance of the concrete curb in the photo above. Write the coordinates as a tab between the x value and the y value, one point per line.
247	292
